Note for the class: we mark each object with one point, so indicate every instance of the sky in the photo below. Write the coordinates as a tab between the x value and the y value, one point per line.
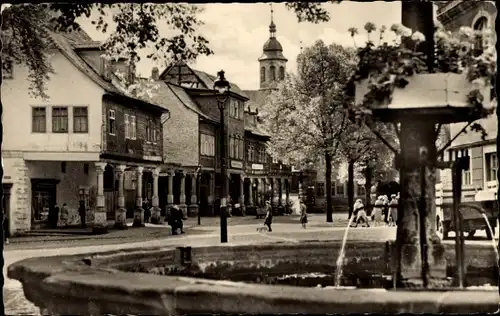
238	31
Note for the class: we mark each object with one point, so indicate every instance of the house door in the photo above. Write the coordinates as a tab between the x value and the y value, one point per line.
43	196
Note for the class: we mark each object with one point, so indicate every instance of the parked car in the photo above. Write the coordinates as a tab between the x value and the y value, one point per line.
485	202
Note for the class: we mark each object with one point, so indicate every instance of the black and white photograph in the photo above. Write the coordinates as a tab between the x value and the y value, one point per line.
181	158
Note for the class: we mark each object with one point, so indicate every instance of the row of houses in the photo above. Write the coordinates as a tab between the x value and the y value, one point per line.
97	141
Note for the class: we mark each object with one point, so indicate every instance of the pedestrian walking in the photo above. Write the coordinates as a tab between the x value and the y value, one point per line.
175	220
64	215
82	212
269	215
360	213
378	210
303	213
393	207
386	209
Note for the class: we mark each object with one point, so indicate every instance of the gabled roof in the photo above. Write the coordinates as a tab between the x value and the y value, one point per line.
208	81
168	93
205	79
63	44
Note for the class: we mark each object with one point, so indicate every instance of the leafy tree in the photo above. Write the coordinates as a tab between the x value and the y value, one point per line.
361	148
26	33
306	116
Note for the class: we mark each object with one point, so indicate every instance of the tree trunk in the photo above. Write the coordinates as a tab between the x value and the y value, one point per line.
350	186
328	179
368	188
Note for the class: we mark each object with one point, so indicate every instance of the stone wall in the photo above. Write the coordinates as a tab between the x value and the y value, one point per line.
180	132
16	172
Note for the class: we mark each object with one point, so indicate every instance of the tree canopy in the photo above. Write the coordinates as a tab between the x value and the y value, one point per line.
306	115
26	33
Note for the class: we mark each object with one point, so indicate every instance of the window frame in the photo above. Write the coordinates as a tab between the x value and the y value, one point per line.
272	71
491	161
126	124
133	127
112	118
33	121
76	118
64	118
207	145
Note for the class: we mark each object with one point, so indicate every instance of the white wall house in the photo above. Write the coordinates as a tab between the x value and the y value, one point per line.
55	139
62	149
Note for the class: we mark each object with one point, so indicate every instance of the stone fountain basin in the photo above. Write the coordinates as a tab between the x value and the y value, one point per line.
97	284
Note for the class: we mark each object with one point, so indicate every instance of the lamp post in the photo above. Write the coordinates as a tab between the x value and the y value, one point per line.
221	88
198	174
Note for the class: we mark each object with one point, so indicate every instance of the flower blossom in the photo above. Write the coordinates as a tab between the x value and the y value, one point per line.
405	31
418	37
441	35
466	31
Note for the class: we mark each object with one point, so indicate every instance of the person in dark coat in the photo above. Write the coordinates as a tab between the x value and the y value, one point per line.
54	216
82	212
5	224
269	215
147	210
175	220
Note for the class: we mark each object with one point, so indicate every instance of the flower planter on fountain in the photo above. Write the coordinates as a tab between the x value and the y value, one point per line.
443	97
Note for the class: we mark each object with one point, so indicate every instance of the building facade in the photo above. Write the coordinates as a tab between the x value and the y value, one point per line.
84	143
481	175
195	183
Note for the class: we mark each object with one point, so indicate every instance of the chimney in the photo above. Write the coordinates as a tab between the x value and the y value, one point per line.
131	70
105	69
155	74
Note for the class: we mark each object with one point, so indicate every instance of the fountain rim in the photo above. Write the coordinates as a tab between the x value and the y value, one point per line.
59	275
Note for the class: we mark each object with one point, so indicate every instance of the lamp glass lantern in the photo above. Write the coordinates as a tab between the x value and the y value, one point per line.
221	87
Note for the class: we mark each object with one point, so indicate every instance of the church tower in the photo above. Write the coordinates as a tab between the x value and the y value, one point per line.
272	63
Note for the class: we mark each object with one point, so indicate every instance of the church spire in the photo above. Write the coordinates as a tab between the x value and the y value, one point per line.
272	26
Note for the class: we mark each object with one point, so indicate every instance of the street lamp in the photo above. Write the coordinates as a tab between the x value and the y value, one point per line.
198	174
221	88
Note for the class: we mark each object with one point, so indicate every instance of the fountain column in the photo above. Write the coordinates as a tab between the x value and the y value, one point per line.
419	253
